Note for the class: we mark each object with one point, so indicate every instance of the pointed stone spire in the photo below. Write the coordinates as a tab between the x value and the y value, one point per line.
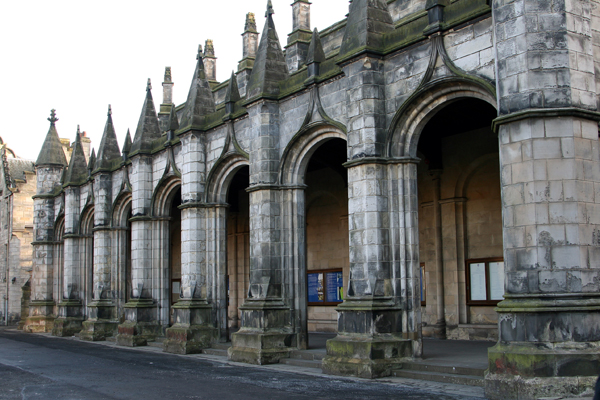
232	95
200	101
210	61
77	170
127	145
109	147
270	67
173	125
173	121
148	128
52	152
91	162
368	22
316	55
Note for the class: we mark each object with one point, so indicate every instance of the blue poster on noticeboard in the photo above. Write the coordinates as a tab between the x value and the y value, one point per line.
315	288
335	287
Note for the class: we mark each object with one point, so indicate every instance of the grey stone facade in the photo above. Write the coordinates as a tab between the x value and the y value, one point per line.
465	133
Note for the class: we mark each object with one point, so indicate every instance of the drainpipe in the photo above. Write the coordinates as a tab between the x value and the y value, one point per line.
440	325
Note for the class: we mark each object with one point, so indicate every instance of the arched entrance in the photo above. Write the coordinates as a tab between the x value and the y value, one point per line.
174	273
87	258
238	246
316	183
327	252
460	221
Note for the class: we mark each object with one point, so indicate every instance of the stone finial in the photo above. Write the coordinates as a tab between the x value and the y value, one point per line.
148	128
250	23
167	78
149	85
52	152
200	54
109	147
270	9
209	48
52	118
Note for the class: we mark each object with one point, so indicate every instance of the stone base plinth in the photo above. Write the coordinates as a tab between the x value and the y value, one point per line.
39	324
41	317
534	370
368	357
65	327
70	318
260	348
193	329
370	341
183	339
265	336
98	330
140	324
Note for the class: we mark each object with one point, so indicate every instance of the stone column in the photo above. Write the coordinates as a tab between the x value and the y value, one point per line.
217	266
379	318
550	175
70	315
266	334
102	321
194	327
294	258
41	307
141	322
299	40
439	330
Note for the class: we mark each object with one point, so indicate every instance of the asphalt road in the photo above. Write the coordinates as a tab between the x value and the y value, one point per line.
39	367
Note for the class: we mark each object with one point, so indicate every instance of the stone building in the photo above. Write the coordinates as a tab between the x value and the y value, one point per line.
18	185
421	168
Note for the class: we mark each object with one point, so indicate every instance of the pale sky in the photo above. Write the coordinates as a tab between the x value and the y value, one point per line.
78	56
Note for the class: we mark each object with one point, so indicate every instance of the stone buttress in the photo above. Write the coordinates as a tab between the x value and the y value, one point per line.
70	308
141	316
194	325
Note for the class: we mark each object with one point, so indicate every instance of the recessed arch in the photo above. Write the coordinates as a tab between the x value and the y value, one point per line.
297	154
120	209
163	195
409	121
86	221
220	177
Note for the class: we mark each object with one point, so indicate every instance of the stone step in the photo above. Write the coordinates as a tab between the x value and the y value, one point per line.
470	380
215	352
301	363
442	369
307	355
